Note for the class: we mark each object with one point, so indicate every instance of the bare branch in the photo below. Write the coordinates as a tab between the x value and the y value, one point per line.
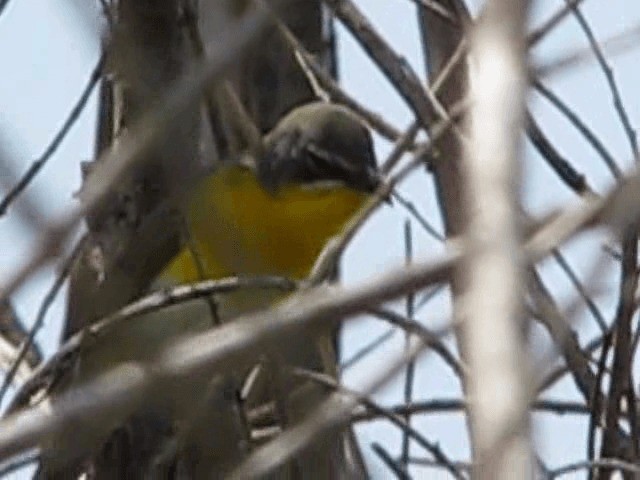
573	278
620	386
564	337
613	463
331	413
315	73
12	336
73	116
553	21
418	98
580	125
568	174
616	44
410	372
367	349
492	304
397	468
428	407
611	81
428	337
116	162
28	342
231	345
394	418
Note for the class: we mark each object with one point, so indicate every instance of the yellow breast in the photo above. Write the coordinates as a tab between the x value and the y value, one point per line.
238	228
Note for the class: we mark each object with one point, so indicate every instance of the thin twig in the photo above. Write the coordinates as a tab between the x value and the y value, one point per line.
218	132
424	223
579	124
411	366
582	291
367	349
597	402
196	257
575	180
612	463
107	11
319	78
39	320
154	301
394	418
619	386
609	76
539	33
429	295
562	334
427	336
556	374
222	103
13	332
420	99
437	8
428	462
71	119
3	5
616	44
399	469
117	161
455	405
399	148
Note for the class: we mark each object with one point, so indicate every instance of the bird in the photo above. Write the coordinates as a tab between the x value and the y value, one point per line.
275	216
268	213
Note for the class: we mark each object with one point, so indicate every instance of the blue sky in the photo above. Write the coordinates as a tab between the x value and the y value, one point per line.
48	50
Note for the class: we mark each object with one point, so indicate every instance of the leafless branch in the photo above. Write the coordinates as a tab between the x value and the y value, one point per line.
18	464
575	180
332	412
563	336
613	463
552	22
424	223
114	163
582	290
335	93
608	73
410	372
73	116
27	344
12	336
616	44
234	344
399	470
418	98
367	349
580	125
620	386
428	337
394	418
427	407
492	303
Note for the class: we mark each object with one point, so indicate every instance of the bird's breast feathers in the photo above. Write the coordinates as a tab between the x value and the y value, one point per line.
239	228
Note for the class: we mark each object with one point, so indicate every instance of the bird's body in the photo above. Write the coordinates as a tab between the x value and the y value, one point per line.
239	228
271	216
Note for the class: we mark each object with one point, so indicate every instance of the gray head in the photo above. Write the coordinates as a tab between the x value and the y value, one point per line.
319	142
